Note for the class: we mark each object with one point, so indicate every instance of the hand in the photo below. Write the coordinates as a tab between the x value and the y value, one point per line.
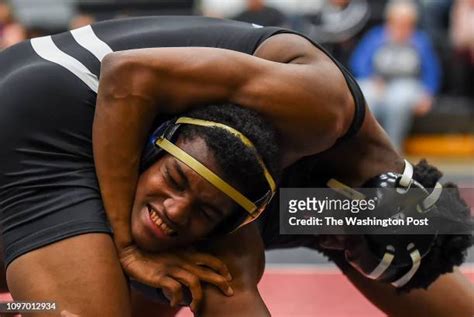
170	270
424	105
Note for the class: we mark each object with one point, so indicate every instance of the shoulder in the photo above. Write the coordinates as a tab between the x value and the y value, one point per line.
287	48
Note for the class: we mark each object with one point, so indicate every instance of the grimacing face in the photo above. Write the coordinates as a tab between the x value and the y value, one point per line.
174	206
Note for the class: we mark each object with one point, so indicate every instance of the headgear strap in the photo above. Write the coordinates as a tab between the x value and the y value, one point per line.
392	252
384	263
250	206
416	261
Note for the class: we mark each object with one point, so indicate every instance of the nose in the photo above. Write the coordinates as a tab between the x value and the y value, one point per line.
178	209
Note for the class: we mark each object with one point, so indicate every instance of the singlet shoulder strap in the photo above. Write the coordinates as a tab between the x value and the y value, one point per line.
359	100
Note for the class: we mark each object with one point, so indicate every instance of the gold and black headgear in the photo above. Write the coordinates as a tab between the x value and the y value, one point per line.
163	140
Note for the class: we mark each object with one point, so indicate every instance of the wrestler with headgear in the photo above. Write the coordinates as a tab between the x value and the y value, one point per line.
124	75
324	129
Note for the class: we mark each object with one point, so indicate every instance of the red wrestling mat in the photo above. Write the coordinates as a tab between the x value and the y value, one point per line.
313	292
296	292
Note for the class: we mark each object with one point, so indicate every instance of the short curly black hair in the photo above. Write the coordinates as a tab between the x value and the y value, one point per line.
448	250
238	162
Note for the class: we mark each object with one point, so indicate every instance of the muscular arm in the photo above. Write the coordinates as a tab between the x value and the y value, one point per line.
307	100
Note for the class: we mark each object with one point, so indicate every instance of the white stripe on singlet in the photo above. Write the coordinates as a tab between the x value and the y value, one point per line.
46	49
86	38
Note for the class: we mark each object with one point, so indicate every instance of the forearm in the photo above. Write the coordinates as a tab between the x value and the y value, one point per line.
121	123
306	103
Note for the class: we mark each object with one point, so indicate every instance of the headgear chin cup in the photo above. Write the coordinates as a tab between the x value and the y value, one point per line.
162	140
395	258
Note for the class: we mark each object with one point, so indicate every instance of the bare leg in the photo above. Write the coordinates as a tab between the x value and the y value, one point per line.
81	274
142	307
243	253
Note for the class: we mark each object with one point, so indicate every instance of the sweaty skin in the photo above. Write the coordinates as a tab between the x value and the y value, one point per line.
371	153
291	83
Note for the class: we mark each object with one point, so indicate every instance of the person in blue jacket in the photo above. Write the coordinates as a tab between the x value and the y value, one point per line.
398	70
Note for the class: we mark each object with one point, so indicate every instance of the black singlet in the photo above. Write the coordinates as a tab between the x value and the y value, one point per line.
48	87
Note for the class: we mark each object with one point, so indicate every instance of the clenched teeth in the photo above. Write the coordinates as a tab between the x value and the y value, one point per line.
158	222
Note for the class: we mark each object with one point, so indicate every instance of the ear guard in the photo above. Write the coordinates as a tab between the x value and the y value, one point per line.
395	257
163	139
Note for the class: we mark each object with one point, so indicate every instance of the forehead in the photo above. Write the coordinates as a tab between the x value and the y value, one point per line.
205	191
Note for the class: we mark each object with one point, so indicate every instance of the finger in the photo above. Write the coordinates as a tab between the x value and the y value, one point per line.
194	285
148	272
211	277
210	261
172	290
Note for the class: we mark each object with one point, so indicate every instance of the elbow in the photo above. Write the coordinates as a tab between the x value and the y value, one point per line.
114	61
112	74
110	63
116	67
122	77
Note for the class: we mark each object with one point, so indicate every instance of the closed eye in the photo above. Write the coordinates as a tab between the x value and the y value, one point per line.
171	181
211	213
208	215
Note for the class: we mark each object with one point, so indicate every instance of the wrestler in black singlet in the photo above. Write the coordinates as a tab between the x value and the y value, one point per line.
48	90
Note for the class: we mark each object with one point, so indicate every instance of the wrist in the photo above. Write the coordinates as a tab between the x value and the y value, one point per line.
122	242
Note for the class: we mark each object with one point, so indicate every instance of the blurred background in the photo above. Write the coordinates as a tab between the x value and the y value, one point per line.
413	59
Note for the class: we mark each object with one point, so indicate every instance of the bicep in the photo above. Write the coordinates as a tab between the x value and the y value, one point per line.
304	102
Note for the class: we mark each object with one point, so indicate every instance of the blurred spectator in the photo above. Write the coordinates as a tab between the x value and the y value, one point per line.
257	12
335	25
44	16
462	26
11	32
5	15
462	38
81	20
221	9
338	20
398	70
